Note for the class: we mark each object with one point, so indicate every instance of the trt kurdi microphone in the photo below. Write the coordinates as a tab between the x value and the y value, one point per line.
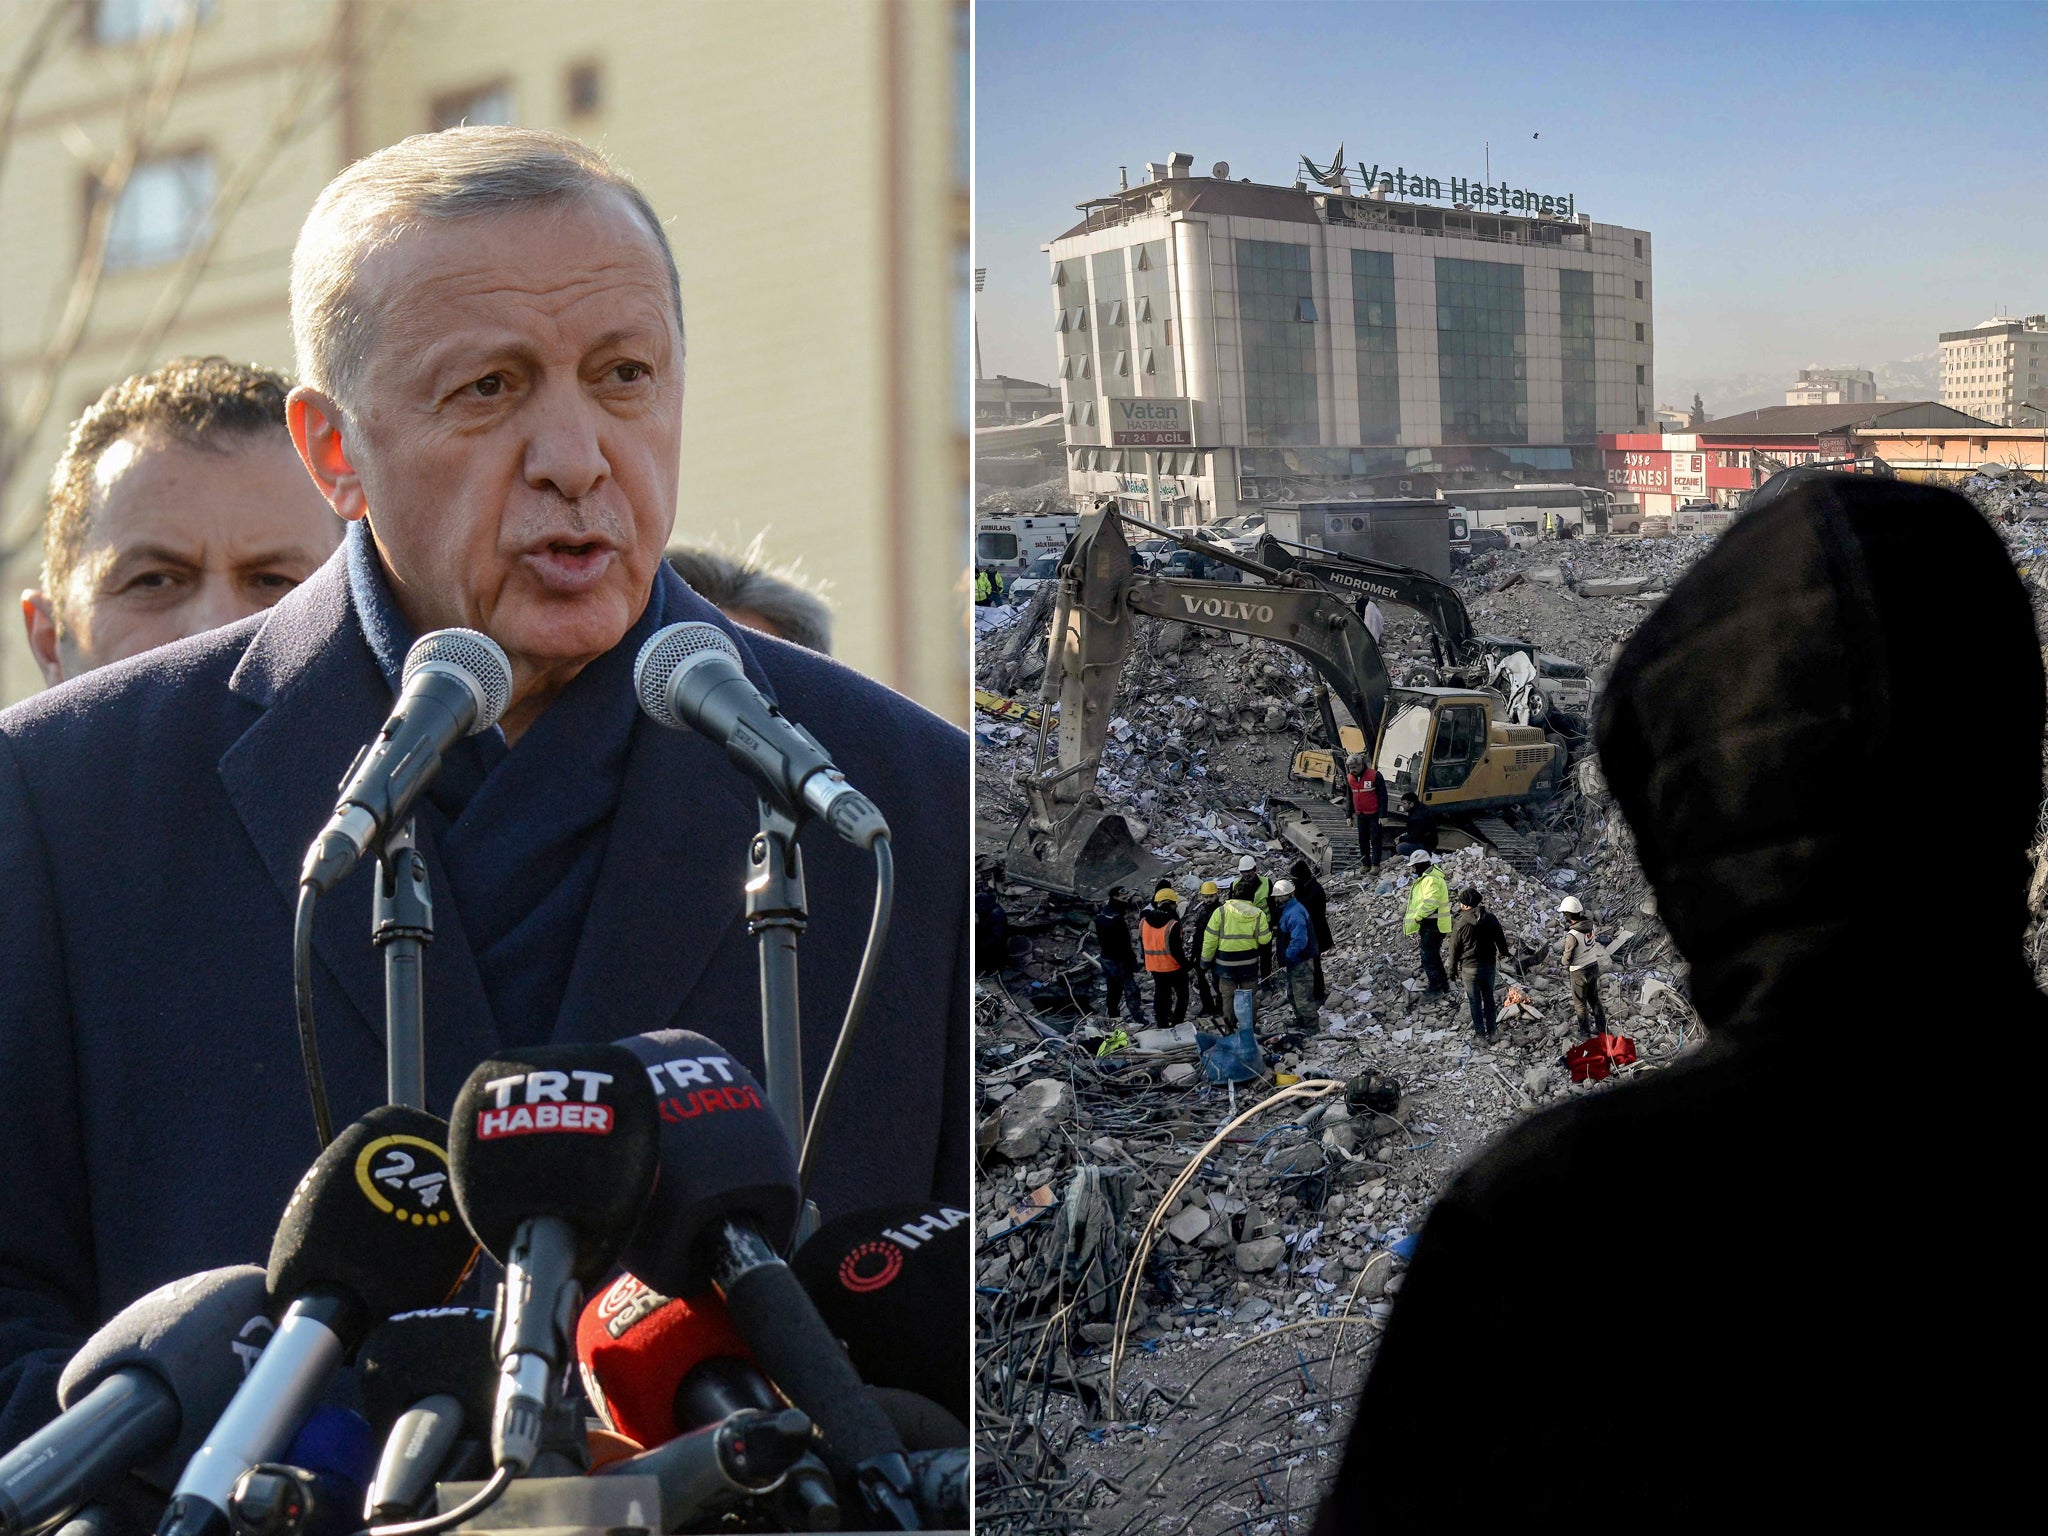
137	1397
554	1153
429	1382
371	1230
726	1196
690	676
456	683
893	1283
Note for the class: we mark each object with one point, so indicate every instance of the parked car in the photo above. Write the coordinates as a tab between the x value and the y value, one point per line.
1021	587
1189	562
1484	539
1151	551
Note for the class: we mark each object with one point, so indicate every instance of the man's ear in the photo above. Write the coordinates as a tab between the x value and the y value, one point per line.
40	618
318	427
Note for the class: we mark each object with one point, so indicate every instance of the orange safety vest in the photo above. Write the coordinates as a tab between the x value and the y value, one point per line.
1158	954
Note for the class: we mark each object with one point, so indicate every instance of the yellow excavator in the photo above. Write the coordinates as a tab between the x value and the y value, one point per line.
1450	746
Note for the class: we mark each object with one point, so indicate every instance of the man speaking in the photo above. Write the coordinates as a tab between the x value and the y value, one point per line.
488	324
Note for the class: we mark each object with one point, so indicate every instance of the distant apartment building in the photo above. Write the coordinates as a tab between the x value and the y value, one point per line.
1833	386
1334	342
1998	370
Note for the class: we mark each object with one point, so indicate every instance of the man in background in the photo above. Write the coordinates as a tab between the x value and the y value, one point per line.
179	506
773	602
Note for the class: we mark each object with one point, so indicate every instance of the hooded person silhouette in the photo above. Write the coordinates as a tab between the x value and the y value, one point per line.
1770	1278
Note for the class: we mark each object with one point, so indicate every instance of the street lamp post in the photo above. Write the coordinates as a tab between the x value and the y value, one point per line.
2028	405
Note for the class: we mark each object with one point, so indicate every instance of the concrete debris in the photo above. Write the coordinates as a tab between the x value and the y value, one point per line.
1304	1213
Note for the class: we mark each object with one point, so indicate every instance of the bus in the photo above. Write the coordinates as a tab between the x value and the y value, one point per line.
1584	509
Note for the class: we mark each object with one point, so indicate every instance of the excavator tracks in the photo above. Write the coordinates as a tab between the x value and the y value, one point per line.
1517	847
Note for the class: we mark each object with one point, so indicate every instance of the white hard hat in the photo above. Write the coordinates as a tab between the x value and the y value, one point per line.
1571	904
1247	864
1283	887
1420	856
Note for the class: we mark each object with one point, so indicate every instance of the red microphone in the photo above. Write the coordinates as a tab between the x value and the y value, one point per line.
656	1367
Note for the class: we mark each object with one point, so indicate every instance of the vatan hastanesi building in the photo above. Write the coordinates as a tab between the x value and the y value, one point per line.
1385	334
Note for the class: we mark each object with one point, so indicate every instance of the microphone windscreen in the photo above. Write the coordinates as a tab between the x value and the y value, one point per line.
373	1218
922	1423
723	1154
475	658
337	1443
634	1346
893	1283
415	1355
557	1130
197	1335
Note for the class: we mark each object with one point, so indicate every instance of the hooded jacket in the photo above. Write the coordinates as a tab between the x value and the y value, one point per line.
1703	1249
1429	901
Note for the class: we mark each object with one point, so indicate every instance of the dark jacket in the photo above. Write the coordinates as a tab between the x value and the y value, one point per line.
1476	936
1797	647
153	816
1308	890
1113	934
1196	923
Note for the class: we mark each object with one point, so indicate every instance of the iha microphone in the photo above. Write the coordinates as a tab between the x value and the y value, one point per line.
430	1381
456	683
893	1284
554	1154
138	1396
370	1230
689	676
727	1195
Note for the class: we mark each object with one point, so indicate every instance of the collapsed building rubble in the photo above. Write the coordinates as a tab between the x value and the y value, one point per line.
1181	1285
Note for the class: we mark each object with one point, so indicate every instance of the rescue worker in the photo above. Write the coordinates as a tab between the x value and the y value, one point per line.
1308	890
995	585
1476	935
991	925
1237	934
1119	960
1418	827
1196	924
1368	803
1166	956
1255	888
1429	918
1298	952
981	588
1581	951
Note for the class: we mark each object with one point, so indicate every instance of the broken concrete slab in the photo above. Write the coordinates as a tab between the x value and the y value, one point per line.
1261	1254
1189	1224
1029	1118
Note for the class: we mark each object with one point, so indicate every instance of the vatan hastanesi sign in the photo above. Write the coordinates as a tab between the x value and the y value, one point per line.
1477	192
1150	423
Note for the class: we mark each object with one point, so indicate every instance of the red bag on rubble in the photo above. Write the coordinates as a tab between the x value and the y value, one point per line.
1596	1058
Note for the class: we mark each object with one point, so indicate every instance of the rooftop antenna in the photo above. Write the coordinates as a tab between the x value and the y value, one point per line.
1489	161
1123	178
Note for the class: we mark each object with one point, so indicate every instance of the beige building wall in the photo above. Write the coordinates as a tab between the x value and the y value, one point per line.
806	155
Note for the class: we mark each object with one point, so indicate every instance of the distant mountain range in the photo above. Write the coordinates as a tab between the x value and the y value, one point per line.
1910	378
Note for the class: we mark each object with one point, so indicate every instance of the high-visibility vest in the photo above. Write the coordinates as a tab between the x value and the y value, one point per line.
1238	928
981	586
1159	944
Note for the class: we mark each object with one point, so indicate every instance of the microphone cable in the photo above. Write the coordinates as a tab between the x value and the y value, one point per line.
856	1006
493	1490
302	998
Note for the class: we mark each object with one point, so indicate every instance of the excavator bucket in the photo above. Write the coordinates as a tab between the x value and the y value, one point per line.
1091	851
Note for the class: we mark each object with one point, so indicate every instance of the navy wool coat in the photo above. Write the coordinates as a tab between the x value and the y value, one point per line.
153	817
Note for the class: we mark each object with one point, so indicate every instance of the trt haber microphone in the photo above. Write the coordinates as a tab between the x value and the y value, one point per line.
726	1195
370	1230
429	1381
456	683
138	1396
554	1154
893	1283
689	676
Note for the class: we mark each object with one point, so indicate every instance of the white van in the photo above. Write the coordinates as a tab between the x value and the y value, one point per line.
1011	544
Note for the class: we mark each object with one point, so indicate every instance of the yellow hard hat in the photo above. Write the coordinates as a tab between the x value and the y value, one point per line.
1209	888
1166	893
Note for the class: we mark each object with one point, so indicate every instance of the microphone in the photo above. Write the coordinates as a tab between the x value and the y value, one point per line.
137	1397
654	1368
369	1231
689	676
893	1284
456	683
727	1194
553	1151
429	1379
740	1458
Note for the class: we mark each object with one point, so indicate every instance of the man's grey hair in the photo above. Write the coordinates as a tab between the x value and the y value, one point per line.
459	173
735	585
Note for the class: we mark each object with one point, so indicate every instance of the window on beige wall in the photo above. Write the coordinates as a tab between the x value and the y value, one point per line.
481	104
161	211
584	88
131	21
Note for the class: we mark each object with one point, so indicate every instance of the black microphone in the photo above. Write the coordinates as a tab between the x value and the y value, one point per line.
369	1231
690	676
727	1195
553	1151
429	1380
137	1397
893	1283
456	683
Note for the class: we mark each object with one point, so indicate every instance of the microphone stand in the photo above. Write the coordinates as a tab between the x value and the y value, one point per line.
402	925
776	914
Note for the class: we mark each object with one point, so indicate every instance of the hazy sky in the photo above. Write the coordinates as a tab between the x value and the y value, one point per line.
1825	183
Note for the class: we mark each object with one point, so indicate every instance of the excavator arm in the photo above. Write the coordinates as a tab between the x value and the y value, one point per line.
1383	582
